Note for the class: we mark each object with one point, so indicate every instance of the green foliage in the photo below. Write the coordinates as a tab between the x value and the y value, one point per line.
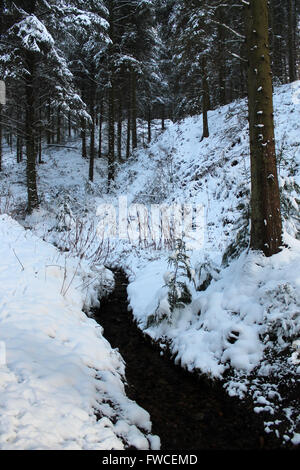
290	203
205	273
179	294
241	240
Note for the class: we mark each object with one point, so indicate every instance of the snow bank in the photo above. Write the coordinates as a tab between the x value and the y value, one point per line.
244	326
245	323
228	325
57	371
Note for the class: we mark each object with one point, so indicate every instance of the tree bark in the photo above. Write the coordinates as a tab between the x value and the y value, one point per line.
92	136
205	99
111	132
48	133
128	127
1	144
83	138
291	41
133	110
120	127
163	127
19	148
30	133
111	98
266	225
221	63
69	125
100	130
149	124
58	128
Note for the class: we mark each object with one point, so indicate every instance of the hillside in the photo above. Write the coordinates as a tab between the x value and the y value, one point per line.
244	327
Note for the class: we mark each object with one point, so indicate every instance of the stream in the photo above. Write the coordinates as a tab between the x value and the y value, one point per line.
188	412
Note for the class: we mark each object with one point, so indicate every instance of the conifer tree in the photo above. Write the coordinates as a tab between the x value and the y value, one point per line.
33	62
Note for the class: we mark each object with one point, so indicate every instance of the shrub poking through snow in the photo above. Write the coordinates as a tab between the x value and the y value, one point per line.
205	273
290	203
65	217
179	294
241	227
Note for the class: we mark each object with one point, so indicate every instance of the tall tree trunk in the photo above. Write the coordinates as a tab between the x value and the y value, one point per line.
30	133
100	130
111	132
149	124
30	93
1	134
40	148
133	109
221	63
39	138
163	127
1	144
205	99
69	125
58	128
92	136
19	148
52	133
291	41
120	127
111	98
83	138
48	133
92	150
10	140
128	128
266	225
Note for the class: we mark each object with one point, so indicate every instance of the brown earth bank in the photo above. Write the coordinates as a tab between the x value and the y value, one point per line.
188	412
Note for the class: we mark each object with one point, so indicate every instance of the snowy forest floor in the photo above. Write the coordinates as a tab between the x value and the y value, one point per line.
241	332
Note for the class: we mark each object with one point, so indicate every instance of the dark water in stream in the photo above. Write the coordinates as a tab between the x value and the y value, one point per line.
187	412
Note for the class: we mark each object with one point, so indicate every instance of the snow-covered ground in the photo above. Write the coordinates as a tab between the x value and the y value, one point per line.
244	327
57	372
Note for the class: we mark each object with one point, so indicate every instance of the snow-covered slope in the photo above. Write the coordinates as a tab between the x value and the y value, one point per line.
244	327
179	167
56	369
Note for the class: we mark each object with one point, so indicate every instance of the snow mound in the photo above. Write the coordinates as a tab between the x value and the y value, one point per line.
61	383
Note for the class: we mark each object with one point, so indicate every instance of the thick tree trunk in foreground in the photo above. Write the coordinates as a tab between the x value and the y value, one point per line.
266	225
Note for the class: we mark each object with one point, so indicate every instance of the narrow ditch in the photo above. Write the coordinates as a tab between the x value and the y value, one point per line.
187	412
